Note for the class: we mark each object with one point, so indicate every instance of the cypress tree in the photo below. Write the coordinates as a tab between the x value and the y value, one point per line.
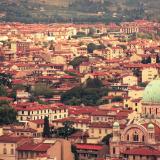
46	129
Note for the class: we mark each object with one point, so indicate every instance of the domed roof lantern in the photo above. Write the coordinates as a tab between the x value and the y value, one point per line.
115	125
150	126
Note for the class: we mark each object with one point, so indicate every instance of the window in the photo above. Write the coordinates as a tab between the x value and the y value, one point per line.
128	137
4	151
114	150
55	117
100	131
92	130
143	138
156	111
135	137
12	151
126	105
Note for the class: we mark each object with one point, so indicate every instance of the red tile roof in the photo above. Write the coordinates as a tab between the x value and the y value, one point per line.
6	99
40	147
89	146
10	139
144	151
101	125
38	121
75	120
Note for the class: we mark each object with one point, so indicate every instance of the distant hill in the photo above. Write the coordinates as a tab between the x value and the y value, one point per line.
34	11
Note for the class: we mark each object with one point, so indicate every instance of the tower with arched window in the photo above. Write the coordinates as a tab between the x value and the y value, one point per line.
151	133
115	150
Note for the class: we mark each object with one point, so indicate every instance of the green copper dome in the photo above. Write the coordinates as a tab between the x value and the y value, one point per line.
152	92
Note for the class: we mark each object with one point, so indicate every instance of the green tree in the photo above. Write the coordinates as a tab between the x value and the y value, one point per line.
89	93
94	83
42	89
148	60
137	72
74	151
157	59
66	130
3	91
107	138
78	60
46	128
117	99
8	114
142	84
5	79
91	47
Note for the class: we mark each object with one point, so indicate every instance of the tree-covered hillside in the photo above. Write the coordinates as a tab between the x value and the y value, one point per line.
47	11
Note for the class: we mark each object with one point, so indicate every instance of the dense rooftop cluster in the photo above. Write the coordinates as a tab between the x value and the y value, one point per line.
84	91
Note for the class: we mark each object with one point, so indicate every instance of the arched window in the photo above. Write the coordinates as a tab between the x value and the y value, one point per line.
114	150
12	151
156	111
127	137
143	138
4	151
135	137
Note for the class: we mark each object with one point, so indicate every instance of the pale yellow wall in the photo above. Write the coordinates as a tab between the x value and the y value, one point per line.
133	105
58	60
149	74
40	114
82	126
8	147
135	93
135	58
99	132
130	80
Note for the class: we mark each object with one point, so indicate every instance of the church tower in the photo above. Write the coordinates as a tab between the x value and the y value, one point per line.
115	142
151	133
